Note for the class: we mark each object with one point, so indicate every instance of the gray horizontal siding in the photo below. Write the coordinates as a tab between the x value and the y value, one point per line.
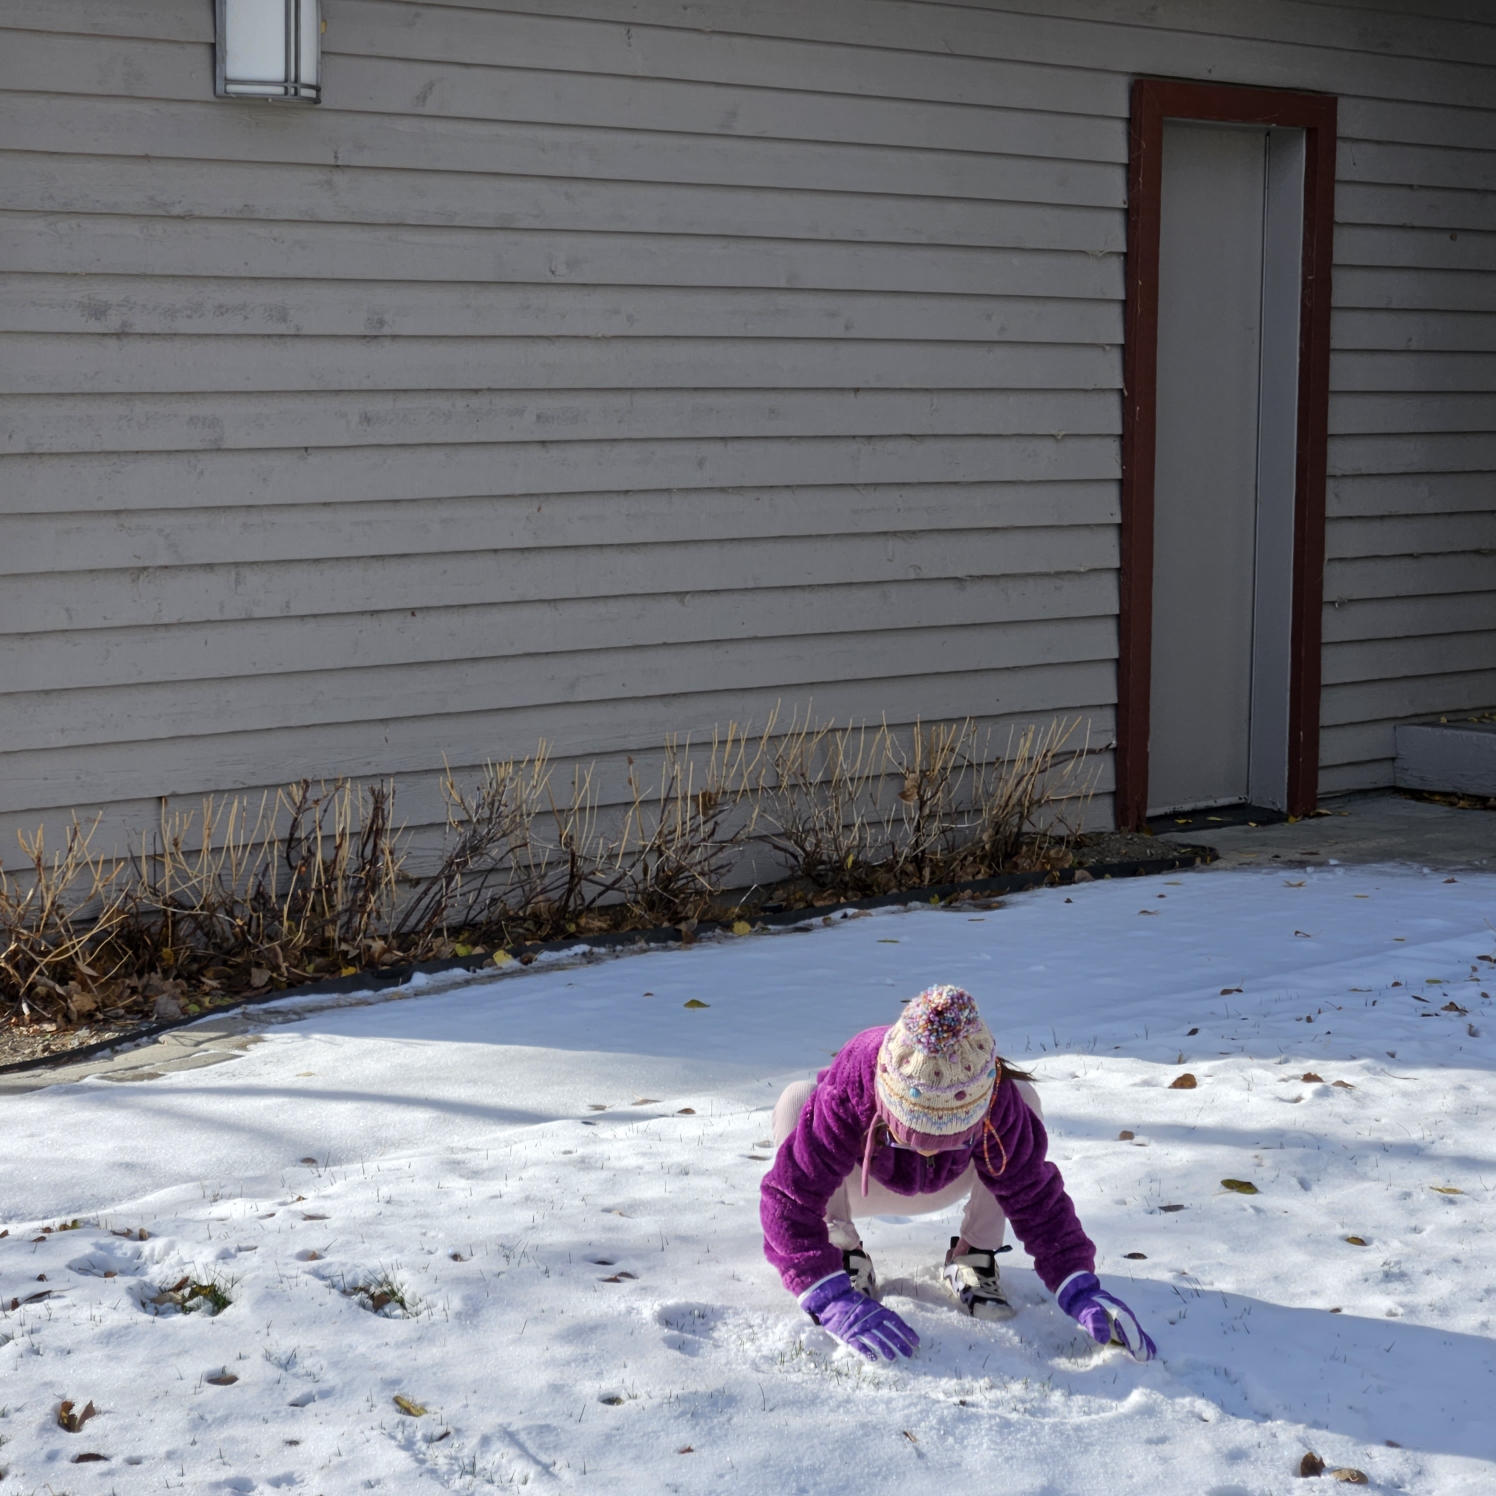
576	372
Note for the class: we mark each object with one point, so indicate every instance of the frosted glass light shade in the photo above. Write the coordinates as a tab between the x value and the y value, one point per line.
269	49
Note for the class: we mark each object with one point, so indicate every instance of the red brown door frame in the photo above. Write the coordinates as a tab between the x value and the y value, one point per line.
1153	101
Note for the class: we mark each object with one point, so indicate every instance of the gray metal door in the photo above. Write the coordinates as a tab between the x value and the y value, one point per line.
1231	230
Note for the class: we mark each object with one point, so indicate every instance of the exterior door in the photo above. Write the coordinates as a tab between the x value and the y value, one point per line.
1229	274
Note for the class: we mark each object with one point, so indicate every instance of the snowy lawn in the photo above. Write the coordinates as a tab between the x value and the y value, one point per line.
556	1176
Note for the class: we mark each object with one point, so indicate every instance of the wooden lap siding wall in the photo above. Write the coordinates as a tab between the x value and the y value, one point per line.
597	368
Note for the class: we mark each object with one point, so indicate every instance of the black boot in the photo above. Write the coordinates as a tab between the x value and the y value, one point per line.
972	1279
859	1268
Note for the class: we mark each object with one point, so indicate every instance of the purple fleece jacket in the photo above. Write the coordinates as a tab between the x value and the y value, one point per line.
828	1144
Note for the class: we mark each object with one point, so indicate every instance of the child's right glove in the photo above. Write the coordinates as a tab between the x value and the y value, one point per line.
857	1320
1103	1317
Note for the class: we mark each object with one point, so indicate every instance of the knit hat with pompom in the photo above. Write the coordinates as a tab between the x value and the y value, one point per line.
937	1067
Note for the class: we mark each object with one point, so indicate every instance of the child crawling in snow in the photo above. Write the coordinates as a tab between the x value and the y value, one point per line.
924	1109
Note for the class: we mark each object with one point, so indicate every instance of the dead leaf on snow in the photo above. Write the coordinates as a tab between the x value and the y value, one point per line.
1240	1186
1445	1189
225	1379
1310	1078
1136	1256
88	1457
1311	1464
686	1111
695	1002
1125	1136
1169	1209
620	1278
1357	1241
1185	1082
71	1418
409	1406
1350	1476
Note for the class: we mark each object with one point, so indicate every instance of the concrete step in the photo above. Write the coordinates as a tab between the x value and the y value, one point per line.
1449	757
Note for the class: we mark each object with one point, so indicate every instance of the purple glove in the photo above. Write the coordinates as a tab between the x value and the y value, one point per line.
857	1320
1103	1317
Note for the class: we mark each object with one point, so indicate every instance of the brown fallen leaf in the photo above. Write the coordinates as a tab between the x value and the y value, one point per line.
910	1437
646	1100
1192	1033
379	1300
620	1277
1240	1186
409	1406
1136	1256
1311	1464
227	1379
1453	1008
1126	1136
311	1162
596	1106
685	1449
1343	1085
71	1418
1310	1078
1147	911
1303	934
686	1111
1357	1241
1227	991
1169	1209
1445	1189
312	1215
1185	1082
88	1457
1350	1476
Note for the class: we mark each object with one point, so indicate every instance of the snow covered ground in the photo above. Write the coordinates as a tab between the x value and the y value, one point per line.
558	1172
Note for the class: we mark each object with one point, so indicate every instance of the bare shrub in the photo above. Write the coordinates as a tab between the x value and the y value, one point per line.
1037	792
860	810
681	837
304	880
818	802
57	922
245	894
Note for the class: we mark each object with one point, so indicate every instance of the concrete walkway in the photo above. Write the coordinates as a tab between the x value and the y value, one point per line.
1377	827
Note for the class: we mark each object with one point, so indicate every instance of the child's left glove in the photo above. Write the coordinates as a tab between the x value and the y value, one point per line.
1103	1317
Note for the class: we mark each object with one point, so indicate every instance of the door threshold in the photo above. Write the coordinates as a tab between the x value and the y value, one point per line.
1212	819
